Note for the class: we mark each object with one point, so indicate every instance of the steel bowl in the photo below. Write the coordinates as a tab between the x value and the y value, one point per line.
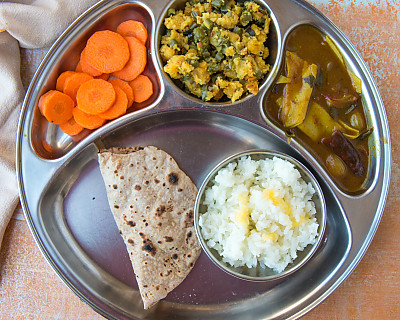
262	273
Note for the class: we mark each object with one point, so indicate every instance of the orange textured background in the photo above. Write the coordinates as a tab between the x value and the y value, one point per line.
29	289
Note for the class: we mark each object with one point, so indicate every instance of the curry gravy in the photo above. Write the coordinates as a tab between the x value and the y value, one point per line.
333	83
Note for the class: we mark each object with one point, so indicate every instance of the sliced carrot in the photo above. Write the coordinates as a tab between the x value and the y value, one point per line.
137	61
61	79
107	51
78	67
56	106
118	108
73	82
142	88
88	121
103	76
95	96
71	127
132	28
125	87
87	67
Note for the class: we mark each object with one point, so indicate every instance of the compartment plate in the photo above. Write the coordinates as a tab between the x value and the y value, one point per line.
68	213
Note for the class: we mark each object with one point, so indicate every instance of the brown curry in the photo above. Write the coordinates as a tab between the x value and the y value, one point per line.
317	100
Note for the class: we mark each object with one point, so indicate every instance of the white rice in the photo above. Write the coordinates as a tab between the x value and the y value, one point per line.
259	212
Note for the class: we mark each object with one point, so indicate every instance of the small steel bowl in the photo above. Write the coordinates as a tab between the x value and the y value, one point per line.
259	273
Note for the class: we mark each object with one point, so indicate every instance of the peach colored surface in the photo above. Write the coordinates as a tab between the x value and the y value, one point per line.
29	289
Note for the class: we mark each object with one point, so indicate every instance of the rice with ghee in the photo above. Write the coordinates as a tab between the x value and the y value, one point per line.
259	211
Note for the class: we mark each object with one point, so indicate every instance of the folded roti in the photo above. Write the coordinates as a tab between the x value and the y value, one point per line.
152	201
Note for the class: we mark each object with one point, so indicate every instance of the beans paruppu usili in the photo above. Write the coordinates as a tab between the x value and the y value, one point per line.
215	49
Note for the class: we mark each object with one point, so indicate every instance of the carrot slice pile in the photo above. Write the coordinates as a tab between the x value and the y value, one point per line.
107	51
71	127
95	96
133	28
61	79
125	87
142	88
137	61
87	67
86	97
118	108
73	82
56	106
88	121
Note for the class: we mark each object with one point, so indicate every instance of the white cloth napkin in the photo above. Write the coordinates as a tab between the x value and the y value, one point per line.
29	24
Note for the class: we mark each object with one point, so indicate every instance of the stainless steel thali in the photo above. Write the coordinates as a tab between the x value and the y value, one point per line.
65	202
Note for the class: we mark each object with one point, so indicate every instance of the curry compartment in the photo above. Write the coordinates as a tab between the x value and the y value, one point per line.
47	139
217	51
317	101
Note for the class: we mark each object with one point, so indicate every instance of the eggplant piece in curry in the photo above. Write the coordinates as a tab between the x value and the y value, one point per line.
317	100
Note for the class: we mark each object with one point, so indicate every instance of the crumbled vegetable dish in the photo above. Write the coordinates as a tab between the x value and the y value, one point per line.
215	49
317	100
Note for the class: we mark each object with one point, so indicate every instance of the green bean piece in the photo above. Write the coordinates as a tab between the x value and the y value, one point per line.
245	18
199	33
204	89
217	3
219	56
171	11
174	44
208	23
194	63
213	67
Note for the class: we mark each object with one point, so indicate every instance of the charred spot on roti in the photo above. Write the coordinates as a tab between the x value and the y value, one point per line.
156	180
146	182
154	158
131	206
168	239
180	189
160	210
175	256
188	236
163	184
122	177
144	168
189	221
131	241
115	186
116	206
131	223
149	247
173	178
131	165
159	224
137	187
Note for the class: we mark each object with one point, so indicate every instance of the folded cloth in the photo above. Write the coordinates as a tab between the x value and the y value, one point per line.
29	24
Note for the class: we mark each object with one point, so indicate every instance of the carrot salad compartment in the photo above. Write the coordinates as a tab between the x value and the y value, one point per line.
137	102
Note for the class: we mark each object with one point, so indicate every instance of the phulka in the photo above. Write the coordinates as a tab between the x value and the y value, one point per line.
152	201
